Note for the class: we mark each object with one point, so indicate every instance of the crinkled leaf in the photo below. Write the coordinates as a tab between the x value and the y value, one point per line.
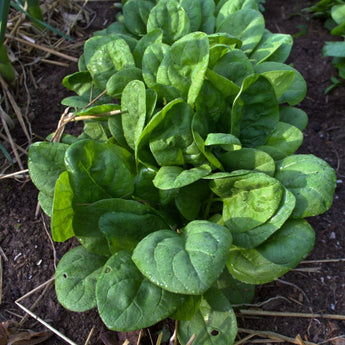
75	279
214	324
193	11
63	212
279	254
284	141
255	111
186	263
96	172
294	116
133	107
273	47
246	24
184	66
311	180
46	163
248	159
171	18
170	177
298	89
254	237
127	301
208	20
249	198
224	39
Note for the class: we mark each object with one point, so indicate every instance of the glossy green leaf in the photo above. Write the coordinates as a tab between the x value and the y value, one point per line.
273	47
75	279
63	212
279	254
133	107
136	14
214	324
224	39
193	11
280	80
311	180
255	111
248	159
128	223
228	142
96	172
186	263
46	163
284	141
171	18
46	203
143	185
208	20
127	301
298	89
254	237
118	81
294	116
188	309
249	198
170	177
227	87
184	66
246	24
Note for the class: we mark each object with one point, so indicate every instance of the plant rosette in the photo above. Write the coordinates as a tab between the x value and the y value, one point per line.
184	189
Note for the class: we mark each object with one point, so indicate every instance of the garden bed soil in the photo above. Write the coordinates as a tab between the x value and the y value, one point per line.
29	256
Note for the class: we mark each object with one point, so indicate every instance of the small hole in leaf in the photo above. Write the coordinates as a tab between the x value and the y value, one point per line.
108	269
214	332
65	275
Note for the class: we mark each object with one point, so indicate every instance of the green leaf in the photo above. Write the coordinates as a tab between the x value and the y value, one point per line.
248	159
170	177
193	11
280	80
118	81
284	141
186	263
133	107
298	89
96	172
79	82
128	223
294	116
214	324
235	291
184	66
188	309
273	47
255	111
246	24
208	20
127	301
46	163
311	180
171	18
279	254
46	202
249	198
222	38
254	237
228	142
75	279
136	14
334	49
63	212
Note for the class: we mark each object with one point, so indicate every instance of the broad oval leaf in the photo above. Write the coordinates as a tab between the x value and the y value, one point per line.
214	324
246	24
96	172
294	116
311	180
186	263
127	301
46	163
75	279
278	255
249	199
170	177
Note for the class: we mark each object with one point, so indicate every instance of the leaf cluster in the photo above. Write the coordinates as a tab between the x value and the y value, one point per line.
193	193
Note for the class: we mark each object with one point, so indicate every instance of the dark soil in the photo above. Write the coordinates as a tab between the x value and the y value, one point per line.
29	256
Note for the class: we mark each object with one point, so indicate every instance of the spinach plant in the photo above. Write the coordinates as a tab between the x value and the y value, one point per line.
184	189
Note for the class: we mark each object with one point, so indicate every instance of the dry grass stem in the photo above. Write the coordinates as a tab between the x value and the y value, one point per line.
2	253
50	240
35	289
15	108
191	340
126	342
260	304
274	336
21	173
306	262
46	49
56	63
291	314
90	336
139	337
0	280
159	339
